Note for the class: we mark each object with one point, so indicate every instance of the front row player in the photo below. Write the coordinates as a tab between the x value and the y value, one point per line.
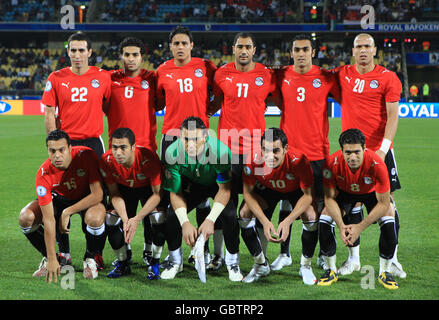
132	174
280	174
197	167
68	182
355	174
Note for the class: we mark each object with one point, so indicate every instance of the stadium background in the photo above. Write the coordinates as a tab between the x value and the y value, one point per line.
32	44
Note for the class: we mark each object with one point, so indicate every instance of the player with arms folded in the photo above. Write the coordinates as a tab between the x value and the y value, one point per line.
351	175
67	183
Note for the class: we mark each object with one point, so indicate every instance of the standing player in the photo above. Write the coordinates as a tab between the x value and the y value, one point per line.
132	105
355	174
369	102
280	173
241	89
183	85
67	183
132	174
305	89
78	92
197	167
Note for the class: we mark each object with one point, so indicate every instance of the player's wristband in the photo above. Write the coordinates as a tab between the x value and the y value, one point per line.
181	214
385	145
216	210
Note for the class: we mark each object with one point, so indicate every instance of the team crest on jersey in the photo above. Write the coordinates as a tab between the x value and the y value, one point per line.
259	81
374	84
327	173
198	73
144	84
41	191
368	180
95	83
289	176
317	83
80	172
48	86
247	171
140	176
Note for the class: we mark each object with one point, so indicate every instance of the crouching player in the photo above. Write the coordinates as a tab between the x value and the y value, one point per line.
280	174
355	174
68	182
132	174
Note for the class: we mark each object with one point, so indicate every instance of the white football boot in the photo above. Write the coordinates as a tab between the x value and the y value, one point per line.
171	270
349	266
281	261
258	270
235	274
42	269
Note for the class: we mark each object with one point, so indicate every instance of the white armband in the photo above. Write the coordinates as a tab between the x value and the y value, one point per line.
216	210
181	214
385	145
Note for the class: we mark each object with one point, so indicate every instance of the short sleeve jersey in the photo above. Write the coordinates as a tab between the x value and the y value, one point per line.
305	109
244	105
371	176
363	101
132	106
79	100
145	171
212	167
294	173
186	91
73	183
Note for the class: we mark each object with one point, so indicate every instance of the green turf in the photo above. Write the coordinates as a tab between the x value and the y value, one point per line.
22	151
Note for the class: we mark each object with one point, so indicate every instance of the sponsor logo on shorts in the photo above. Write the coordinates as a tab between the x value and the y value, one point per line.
327	173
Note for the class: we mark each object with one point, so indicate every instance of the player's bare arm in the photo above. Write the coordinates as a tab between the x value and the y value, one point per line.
53	267
302	204
94	198
391	127
221	199
189	232
333	210
381	209
215	105
256	209
153	201
49	119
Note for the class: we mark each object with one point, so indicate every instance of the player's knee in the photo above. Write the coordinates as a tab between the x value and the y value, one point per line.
390	211
26	217
245	212
95	218
309	215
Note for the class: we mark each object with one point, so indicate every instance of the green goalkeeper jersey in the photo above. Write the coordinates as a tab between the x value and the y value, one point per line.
212	166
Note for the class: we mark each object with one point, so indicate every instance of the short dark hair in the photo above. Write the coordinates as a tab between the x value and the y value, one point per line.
245	35
304	36
189	122
180	29
132	42
121	133
275	134
79	36
352	136
56	135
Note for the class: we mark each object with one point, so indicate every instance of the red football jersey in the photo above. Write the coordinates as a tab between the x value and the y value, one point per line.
371	176
186	90
132	106
73	183
145	171
305	109
294	173
363	102
244	106
79	100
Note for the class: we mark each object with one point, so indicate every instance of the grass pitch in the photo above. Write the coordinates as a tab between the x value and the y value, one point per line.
22	150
